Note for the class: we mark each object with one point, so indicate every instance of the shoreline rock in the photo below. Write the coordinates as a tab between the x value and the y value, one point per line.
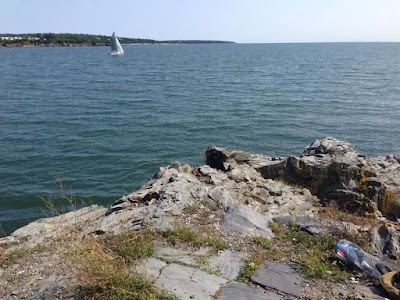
248	190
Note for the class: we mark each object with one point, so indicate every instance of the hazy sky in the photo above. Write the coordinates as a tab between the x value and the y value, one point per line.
235	20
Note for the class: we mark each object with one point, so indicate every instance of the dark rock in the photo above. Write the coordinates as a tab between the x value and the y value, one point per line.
219	158
305	223
350	201
273	170
280	277
241	291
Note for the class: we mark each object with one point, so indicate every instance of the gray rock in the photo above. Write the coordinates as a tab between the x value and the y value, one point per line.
305	223
121	220
83	219
242	219
181	256
218	178
227	159
207	170
189	283
170	254
241	291
328	145
151	267
222	196
280	277
227	263
386	241
175	165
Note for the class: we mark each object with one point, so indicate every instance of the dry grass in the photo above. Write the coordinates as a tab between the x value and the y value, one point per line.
338	224
105	274
101	264
186	236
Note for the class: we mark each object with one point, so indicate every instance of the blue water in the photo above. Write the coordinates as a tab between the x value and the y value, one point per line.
104	124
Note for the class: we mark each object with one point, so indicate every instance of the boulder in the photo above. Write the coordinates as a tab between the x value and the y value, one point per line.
328	145
386	240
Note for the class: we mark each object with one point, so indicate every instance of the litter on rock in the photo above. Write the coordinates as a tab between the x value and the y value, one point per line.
353	255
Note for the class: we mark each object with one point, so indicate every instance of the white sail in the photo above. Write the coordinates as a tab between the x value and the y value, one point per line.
116	48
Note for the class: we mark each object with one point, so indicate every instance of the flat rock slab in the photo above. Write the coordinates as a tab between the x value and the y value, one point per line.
243	220
280	277
189	283
151	268
180	256
241	291
227	263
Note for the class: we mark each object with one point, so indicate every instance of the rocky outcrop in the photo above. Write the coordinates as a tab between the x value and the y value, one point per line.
331	170
246	191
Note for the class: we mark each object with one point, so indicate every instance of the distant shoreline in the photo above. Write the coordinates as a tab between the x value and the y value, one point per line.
88	45
79	40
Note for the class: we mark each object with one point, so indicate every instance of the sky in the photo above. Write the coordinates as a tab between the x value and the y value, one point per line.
242	21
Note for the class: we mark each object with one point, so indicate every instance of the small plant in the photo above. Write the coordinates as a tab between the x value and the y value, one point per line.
182	235
215	243
190	210
252	263
185	235
263	242
131	246
12	257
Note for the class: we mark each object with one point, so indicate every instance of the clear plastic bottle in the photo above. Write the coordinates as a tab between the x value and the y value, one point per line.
353	255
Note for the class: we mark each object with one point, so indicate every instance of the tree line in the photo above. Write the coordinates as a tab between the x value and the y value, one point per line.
68	39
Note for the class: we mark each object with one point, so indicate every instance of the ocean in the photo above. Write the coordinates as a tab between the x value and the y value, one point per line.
102	125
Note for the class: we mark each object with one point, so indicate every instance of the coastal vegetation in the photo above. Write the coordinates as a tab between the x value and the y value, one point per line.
70	39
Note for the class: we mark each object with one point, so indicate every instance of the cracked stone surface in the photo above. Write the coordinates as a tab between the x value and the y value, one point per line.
151	267
189	283
180	256
241	291
227	263
280	277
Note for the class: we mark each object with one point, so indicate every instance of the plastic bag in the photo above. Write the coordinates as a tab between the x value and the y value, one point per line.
352	254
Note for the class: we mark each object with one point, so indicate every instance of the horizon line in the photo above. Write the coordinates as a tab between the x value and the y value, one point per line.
223	40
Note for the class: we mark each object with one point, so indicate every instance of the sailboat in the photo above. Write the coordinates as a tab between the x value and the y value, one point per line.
116	48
